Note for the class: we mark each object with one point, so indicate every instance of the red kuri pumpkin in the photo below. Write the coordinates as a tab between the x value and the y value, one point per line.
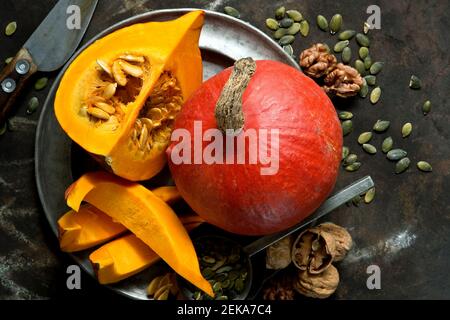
239	197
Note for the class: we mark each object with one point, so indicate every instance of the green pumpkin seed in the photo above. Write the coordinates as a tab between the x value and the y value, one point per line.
285	40
217	286
339	46
280	33
346	35
295	15
33	104
407	129
221	277
8	60
426	108
272	24
208	273
345	152
11	28
364	137
370	195
367	62
289	50
335	23
353	167
286	22
364	90
363	52
239	285
375	95
224	269
370	149
41	83
304	28
345	115
197	295
402	165
232	12
218	264
359	66
366	27
350	159
376	67
381	125
233	275
294	29
387	145
424	166
222	298
280	12
322	22
362	40
3	128
226	284
208	260
346	55
396	154
371	80
347	127
415	82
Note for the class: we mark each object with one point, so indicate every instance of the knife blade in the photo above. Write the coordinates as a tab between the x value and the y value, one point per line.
48	48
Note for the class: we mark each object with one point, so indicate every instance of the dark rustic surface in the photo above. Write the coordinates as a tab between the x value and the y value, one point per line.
405	231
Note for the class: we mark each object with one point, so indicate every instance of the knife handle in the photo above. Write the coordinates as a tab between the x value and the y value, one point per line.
13	79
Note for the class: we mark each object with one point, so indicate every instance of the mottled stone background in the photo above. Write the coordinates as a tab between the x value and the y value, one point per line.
405	231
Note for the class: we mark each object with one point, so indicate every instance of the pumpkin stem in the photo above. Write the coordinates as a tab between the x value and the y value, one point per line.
228	110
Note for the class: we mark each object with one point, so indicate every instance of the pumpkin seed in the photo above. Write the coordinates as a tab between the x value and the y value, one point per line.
153	286
375	95
221	277
109	91
353	167
371	80
208	273
387	145
41	83
219	264
362	40
402	165
424	166
8	60
346	55
232	12
33	104
363	52
350	159
335	23
239	285
132	58
339	46
359	66
280	12
285	40
226	284
224	269
415	82
364	90
286	22
98	113
294	29
209	260
304	28
3	128
345	115
346	35
280	33
376	67
370	194
396	154
164	295
11	28
406	129
197	295
233	275
295	15
322	22
272	24
347	127
367	62
289	50
426	108
364	137
366	27
217	286
381	125
345	152
370	149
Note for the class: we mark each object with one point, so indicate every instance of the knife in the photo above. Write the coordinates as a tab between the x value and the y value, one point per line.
48	48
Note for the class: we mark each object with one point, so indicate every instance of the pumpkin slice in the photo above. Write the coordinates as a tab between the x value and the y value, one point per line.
90	227
127	256
118	99
145	215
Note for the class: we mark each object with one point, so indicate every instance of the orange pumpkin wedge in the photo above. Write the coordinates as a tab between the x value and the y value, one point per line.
118	99
145	215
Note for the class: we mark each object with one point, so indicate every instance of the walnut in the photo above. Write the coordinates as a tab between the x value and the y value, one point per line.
344	81
280	288
320	285
278	255
342	238
313	250
317	61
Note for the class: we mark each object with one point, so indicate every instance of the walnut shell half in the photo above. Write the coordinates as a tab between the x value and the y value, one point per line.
343	239
317	285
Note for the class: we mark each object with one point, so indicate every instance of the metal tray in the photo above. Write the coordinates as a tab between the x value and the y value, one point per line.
59	161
